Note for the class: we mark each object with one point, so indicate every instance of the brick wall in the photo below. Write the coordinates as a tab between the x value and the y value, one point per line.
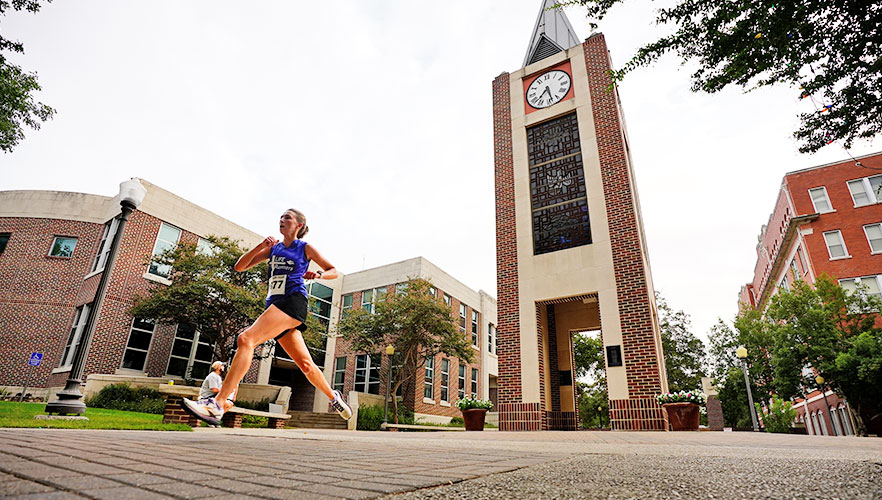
512	412
38	293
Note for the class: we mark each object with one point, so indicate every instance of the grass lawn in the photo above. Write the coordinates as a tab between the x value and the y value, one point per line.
14	414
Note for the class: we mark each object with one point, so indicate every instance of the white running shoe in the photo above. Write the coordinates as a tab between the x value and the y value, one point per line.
340	406
205	409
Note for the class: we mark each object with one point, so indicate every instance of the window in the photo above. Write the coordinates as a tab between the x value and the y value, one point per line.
135	356
869	284
367	373
799	254
462	382
491	338
432	292
339	373
4	239
475	382
76	333
346	303
445	379
794	269
447	299
429	380
462	319
205	247
820	200
371	296
866	191
401	288
835	245
191	354
166	239
834	416
784	285
874	236
63	246
110	228
846	422
474	328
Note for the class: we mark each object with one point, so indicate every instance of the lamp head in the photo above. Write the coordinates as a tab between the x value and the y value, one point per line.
132	192
390	349
741	352
820	380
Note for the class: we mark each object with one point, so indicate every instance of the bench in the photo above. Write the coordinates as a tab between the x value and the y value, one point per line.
233	417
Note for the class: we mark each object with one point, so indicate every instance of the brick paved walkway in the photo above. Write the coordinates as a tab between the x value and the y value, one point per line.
304	464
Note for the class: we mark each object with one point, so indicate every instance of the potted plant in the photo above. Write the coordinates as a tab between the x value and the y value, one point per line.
474	411
682	409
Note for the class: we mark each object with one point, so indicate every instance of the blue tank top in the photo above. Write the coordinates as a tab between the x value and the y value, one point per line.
286	268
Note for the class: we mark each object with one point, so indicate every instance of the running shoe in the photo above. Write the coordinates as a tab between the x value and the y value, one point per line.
206	410
340	406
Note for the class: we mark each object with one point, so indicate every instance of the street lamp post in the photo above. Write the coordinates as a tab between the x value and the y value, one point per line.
69	401
820	380
600	415
741	352
390	350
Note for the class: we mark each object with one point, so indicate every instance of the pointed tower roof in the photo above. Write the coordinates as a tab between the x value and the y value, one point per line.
553	33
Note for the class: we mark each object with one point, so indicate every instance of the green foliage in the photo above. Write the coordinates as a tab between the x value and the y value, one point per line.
254	421
831	49
127	398
207	293
418	325
588	356
755	333
262	405
593	405
369	418
833	333
779	417
458	421
684	352
733	399
473	403
17	88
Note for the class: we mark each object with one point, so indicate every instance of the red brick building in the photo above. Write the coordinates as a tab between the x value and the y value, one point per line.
827	219
570	246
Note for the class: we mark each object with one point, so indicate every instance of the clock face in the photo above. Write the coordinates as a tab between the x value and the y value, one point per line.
548	88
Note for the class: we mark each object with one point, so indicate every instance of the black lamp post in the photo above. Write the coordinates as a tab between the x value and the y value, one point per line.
69	401
820	380
390	350
741	352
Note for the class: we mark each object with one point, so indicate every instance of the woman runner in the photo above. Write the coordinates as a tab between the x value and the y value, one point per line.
286	309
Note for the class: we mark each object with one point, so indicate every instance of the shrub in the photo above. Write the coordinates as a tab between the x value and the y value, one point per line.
262	405
254	421
125	397
779	417
369	418
457	421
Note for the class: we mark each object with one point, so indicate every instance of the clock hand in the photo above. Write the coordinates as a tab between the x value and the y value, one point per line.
547	89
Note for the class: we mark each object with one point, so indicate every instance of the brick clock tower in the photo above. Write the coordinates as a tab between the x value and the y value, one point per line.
570	249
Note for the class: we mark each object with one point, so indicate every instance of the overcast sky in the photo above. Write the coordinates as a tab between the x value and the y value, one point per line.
374	118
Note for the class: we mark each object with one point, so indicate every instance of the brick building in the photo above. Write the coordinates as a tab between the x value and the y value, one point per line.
826	220
52	251
828	416
571	251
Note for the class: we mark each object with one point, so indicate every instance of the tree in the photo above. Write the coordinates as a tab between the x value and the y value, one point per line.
418	325
831	51
684	352
207	293
17	106
755	334
592	394
833	333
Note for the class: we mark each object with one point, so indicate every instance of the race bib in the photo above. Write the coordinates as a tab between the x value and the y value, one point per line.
277	285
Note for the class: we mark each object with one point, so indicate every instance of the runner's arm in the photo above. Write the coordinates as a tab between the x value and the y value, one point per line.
329	272
256	255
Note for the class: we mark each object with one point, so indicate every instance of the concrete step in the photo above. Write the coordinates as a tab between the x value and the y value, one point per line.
311	420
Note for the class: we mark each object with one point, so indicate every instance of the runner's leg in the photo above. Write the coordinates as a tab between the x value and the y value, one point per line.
295	346
267	326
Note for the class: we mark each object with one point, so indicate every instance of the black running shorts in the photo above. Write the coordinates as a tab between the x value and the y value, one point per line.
294	305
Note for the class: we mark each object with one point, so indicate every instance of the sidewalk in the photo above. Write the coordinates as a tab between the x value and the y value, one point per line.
309	463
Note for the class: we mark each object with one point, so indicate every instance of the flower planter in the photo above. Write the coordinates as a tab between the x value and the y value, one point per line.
474	419
682	416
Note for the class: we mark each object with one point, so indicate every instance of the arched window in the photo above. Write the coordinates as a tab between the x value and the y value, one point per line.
846	421
837	426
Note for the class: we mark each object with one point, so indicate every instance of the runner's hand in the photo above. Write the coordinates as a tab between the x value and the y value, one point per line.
269	241
310	275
